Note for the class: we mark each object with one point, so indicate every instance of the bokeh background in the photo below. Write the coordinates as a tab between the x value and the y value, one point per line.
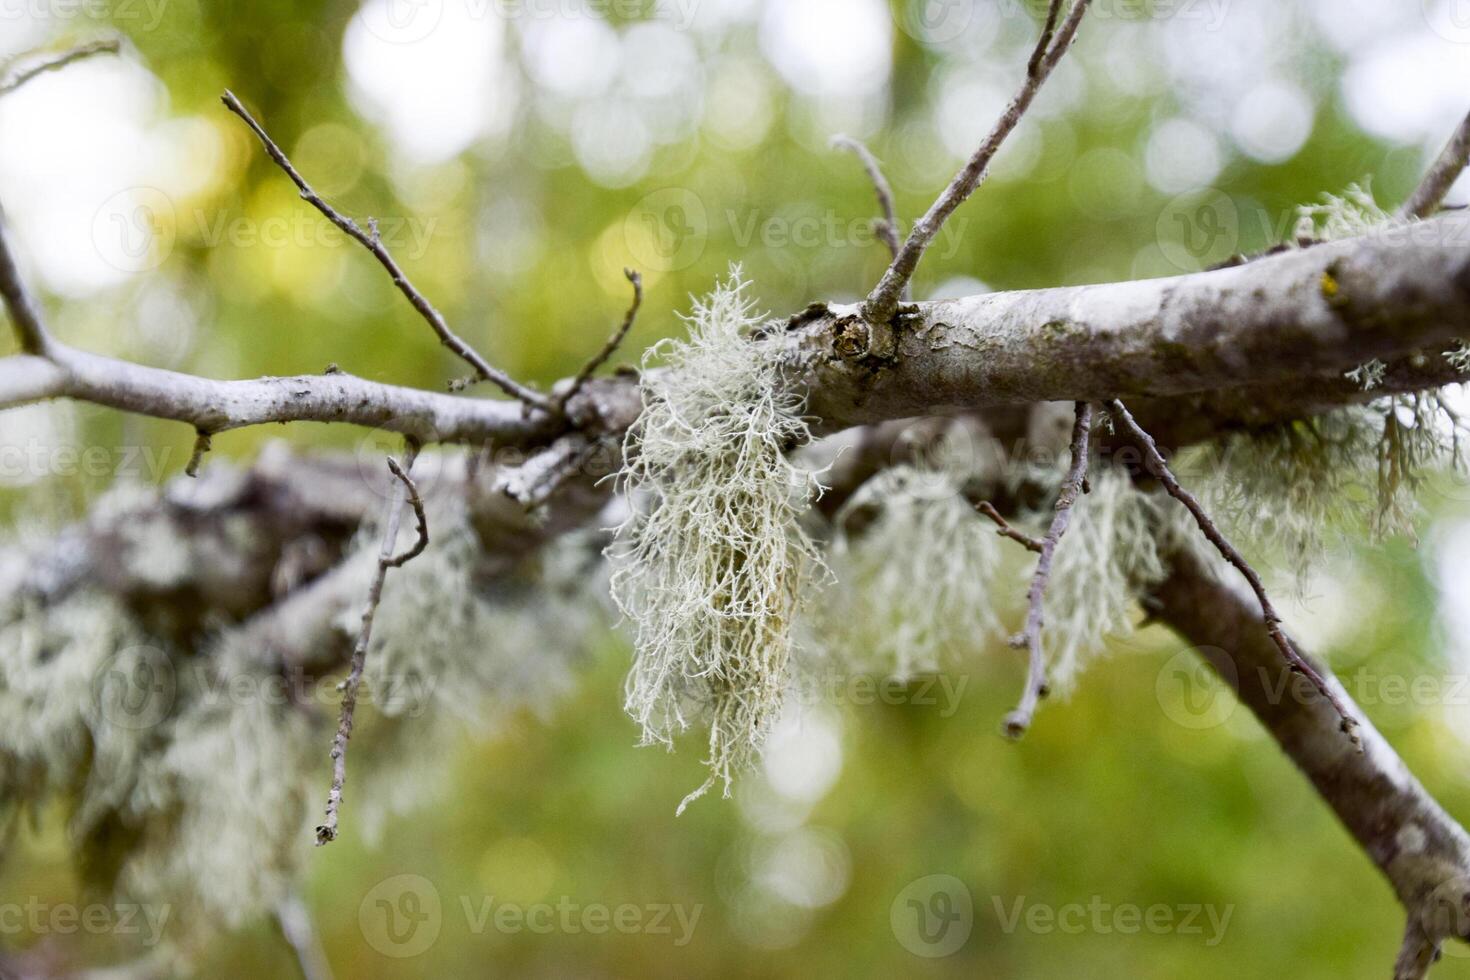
518	155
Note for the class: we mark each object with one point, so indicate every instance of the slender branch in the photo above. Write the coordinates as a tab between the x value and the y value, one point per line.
1019	720
373	243
109	45
327	831
20	304
1417	954
1005	530
417	503
886	226
1158	468
883	301
1442	173
600	358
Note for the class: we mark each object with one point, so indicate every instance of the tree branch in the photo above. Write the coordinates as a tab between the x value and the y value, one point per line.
1422	851
1281	320
600	358
1019	720
887	226
327	831
1157	468
883	301
1441	174
110	45
20	304
370	241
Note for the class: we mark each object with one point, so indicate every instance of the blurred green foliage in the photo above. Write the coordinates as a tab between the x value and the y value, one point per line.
1106	797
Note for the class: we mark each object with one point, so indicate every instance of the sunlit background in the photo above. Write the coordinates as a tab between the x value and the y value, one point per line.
518	154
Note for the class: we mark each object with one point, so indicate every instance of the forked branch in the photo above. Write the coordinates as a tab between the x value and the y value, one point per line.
1019	720
371	241
404	489
883	301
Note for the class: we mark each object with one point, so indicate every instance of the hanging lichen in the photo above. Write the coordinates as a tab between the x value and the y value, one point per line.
710	566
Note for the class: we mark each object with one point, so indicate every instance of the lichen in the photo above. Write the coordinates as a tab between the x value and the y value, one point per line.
711	565
913	585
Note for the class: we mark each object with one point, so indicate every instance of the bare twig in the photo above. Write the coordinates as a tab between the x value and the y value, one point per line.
1158	468
370	240
886	227
201	446
883	301
1005	530
109	45
1442	173
294	920
417	503
327	831
1417	954
1019	720
24	310
600	358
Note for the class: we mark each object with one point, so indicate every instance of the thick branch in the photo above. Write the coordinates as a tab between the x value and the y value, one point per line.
1422	851
1278	320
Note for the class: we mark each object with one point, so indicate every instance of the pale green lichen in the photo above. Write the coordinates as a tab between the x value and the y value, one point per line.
1459	358
914	582
711	565
1367	376
1114	550
1296	488
1353	212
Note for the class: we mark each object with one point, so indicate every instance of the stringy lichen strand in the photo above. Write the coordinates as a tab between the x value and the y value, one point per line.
710	566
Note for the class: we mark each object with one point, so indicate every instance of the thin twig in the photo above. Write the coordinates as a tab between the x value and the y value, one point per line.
1019	720
403	489
1417	954
883	301
202	445
371	241
1442	173
600	358
886	227
24	310
293	918
417	503
1005	530
1295	660
109	45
